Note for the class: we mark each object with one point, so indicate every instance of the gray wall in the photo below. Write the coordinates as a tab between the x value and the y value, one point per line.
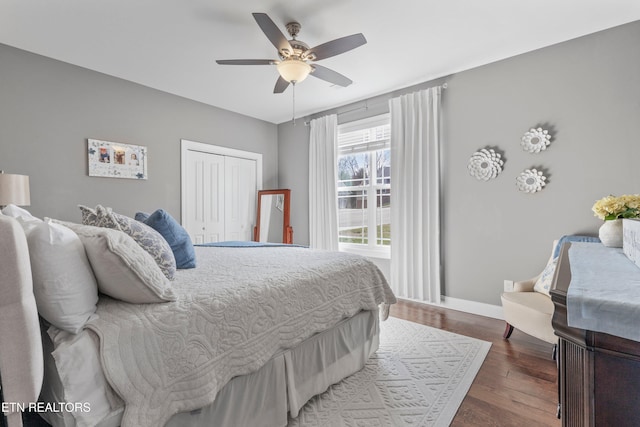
293	149
586	91
48	109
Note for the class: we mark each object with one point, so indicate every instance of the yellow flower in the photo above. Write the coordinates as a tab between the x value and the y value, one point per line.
612	207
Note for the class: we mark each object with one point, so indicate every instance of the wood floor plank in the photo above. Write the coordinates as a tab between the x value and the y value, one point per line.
518	400
477	413
517	383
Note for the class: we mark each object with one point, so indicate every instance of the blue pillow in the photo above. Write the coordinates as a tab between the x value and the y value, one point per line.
141	216
174	234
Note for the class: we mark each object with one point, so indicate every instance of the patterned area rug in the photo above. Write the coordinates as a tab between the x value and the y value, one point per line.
418	377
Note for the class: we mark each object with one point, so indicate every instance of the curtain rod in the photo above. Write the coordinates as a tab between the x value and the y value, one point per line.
366	106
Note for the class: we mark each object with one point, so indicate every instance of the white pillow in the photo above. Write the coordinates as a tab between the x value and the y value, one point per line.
24	217
123	269
543	284
16	212
63	283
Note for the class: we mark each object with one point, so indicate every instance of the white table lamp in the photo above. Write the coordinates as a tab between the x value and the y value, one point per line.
14	189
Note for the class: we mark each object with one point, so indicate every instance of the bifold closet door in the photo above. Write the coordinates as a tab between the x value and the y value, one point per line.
240	196
221	196
204	208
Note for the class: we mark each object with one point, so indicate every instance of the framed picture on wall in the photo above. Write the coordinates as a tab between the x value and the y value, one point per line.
116	160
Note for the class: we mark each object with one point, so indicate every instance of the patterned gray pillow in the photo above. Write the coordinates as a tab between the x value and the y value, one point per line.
148	238
89	216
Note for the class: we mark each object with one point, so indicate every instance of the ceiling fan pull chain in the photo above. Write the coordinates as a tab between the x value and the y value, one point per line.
294	102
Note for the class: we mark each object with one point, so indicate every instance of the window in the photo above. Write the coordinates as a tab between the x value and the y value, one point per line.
364	186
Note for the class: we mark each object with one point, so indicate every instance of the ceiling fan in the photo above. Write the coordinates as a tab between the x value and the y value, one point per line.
297	59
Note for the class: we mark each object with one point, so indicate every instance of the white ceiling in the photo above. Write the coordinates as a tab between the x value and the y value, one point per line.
172	45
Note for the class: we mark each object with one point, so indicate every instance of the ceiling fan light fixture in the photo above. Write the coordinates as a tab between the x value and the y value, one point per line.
293	70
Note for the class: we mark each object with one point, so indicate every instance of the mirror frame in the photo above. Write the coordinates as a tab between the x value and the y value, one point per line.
287	231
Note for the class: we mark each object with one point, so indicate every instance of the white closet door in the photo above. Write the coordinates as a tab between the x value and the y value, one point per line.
204	209
240	198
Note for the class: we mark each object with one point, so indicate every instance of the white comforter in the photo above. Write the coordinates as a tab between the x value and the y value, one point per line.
237	309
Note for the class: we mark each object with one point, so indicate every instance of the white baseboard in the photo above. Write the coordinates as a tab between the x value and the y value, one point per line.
473	307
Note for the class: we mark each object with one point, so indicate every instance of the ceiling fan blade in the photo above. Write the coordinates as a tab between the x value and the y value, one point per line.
281	85
336	47
245	61
270	29
329	75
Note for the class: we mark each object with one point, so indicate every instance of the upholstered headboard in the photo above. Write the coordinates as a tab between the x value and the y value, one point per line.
21	361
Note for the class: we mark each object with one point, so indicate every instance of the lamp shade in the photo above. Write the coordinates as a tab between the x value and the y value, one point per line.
293	70
14	189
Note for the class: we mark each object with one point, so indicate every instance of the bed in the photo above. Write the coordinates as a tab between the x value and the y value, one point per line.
245	338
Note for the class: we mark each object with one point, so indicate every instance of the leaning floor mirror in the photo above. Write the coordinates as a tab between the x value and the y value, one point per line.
273	217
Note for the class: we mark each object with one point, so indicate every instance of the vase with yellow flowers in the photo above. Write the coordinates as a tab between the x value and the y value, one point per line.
612	209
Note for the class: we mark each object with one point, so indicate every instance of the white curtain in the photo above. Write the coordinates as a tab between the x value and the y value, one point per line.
323	193
415	195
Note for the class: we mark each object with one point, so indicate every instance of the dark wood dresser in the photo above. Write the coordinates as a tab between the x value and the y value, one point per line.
598	373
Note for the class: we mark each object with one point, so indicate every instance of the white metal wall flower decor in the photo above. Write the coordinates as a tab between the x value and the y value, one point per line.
535	140
530	181
485	164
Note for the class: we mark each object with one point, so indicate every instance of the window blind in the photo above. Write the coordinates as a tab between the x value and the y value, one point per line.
369	134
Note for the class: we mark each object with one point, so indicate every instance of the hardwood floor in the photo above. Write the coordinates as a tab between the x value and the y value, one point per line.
516	385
